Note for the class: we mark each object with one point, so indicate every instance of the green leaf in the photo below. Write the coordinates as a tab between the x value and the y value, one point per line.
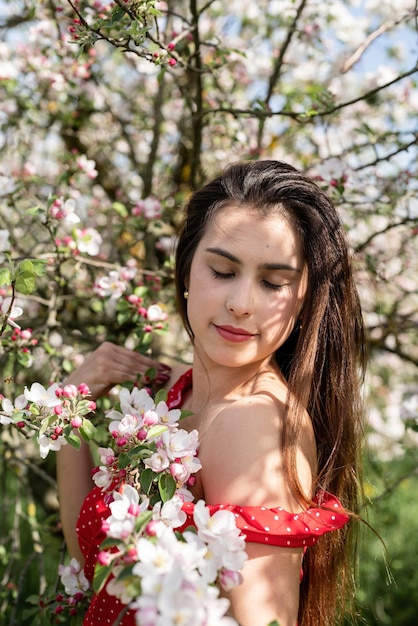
161	396
35	266
87	430
24	358
126	572
124	460
166	487
147	476
156	431
110	542
101	574
25	283
73	440
120	209
274	623
142	520
117	14
5	276
46	423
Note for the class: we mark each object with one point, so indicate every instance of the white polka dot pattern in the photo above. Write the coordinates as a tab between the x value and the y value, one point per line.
273	526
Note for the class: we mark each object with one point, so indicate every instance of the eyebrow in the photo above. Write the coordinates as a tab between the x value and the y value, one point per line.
264	266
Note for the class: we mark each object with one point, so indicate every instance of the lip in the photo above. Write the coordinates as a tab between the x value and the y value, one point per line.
233	334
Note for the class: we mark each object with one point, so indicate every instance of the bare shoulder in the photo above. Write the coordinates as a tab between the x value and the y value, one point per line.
242	451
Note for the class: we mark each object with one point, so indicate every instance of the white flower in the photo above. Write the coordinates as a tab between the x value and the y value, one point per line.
41	396
158	461
156	314
180	443
122	589
88	241
102	478
225	544
110	285
69	214
87	165
125	509
170	512
9	409
135	402
166	244
46	444
107	455
127	426
409	408
169	417
4	243
15	311
150	208
73	578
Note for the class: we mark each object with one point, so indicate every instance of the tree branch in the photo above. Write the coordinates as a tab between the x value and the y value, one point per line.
384	28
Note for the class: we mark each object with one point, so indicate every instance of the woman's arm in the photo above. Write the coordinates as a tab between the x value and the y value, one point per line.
101	370
243	464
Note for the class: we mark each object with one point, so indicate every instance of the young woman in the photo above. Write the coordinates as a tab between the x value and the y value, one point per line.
266	293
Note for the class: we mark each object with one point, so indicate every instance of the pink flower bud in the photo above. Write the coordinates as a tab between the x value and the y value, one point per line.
133	299
83	389
151	528
105	526
230	578
121	441
76	422
172	62
58	410
150	418
132	555
70	391
134	509
92	405
104	558
141	434
58	430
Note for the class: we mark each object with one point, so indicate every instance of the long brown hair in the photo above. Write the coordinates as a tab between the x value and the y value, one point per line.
323	360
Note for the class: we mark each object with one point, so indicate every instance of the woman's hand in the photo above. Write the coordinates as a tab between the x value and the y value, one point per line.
110	365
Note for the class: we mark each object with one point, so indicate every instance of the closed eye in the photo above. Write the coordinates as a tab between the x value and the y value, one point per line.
272	286
227	275
222	275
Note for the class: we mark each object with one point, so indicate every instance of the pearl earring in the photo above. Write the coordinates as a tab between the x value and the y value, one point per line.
186	294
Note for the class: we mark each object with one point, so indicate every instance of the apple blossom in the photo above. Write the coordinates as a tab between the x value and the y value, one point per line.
41	396
73	578
155	313
110	285
10	412
88	240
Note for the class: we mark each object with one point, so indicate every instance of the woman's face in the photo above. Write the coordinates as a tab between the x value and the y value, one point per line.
246	287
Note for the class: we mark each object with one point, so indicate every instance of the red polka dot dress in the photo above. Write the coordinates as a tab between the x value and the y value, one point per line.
273	526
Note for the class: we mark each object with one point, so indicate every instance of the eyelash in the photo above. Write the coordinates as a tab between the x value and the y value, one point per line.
226	276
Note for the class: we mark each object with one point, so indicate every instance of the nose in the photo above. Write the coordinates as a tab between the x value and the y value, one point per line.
240	301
